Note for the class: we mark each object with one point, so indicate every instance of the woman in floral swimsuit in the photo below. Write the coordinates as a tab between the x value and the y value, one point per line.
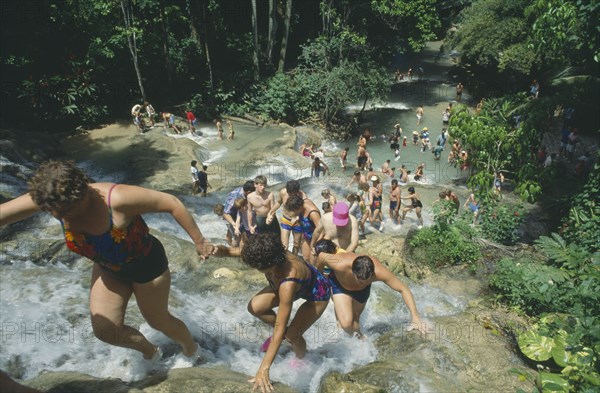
102	222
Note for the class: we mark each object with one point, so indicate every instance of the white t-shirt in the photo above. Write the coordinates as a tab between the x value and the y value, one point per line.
194	171
136	108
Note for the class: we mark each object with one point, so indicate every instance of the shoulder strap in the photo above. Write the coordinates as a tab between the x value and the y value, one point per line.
109	193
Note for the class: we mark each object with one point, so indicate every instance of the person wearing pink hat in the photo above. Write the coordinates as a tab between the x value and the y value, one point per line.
338	226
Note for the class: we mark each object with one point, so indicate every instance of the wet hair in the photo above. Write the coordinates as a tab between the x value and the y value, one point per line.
260	179
442	195
394	181
411	190
240	202
363	267
292	186
204	167
364	186
351	197
193	163
294	203
248	187
263	250
219	209
326	206
356	173
325	245
57	185
325	193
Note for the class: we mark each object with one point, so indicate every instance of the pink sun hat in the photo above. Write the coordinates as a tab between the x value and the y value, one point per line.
340	214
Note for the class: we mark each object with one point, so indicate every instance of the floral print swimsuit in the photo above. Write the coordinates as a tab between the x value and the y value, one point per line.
129	253
316	288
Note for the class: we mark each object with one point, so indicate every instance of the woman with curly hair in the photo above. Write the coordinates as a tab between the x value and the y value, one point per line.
290	278
103	222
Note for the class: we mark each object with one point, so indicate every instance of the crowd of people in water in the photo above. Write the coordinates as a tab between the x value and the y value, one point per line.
305	248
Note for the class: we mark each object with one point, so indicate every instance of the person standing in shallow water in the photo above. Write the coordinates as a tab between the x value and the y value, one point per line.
290	278
103	222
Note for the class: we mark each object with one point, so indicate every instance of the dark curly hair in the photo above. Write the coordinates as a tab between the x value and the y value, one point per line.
57	185
263	250
363	267
294	203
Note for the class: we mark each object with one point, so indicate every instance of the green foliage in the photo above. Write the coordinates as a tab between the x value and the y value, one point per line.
496	34
501	223
66	99
559	341
567	285
442	245
417	20
567	30
582	226
495	143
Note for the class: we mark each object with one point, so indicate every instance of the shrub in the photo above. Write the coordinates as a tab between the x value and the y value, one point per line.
501	223
441	245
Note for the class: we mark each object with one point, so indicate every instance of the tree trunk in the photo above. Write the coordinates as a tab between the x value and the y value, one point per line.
206	47
256	48
165	38
272	31
132	42
286	33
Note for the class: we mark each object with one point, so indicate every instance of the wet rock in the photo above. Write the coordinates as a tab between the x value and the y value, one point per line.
226	273
68	382
184	380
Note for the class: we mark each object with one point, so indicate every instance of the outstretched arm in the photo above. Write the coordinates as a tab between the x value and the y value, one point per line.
286	300
17	209
133	200
383	274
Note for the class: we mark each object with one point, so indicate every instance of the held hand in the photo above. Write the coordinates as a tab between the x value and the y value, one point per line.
261	379
205	249
253	229
269	219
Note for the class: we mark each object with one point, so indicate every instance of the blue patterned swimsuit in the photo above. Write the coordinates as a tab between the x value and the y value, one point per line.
308	227
316	288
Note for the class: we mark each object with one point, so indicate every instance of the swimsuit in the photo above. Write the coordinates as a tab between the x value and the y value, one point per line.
308	227
313	289
129	254
360	296
376	204
286	223
393	205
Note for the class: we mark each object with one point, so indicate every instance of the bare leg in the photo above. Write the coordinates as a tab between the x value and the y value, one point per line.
307	314
108	302
261	305
347	312
153	301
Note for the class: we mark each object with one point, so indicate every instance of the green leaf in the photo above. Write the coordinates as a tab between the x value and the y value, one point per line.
559	354
552	382
535	346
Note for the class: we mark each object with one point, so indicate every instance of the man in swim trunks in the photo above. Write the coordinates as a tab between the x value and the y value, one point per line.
288	224
338	226
395	195
351	278
260	203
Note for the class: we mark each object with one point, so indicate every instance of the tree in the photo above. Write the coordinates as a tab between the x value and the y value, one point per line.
255	57
286	33
272	31
130	31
